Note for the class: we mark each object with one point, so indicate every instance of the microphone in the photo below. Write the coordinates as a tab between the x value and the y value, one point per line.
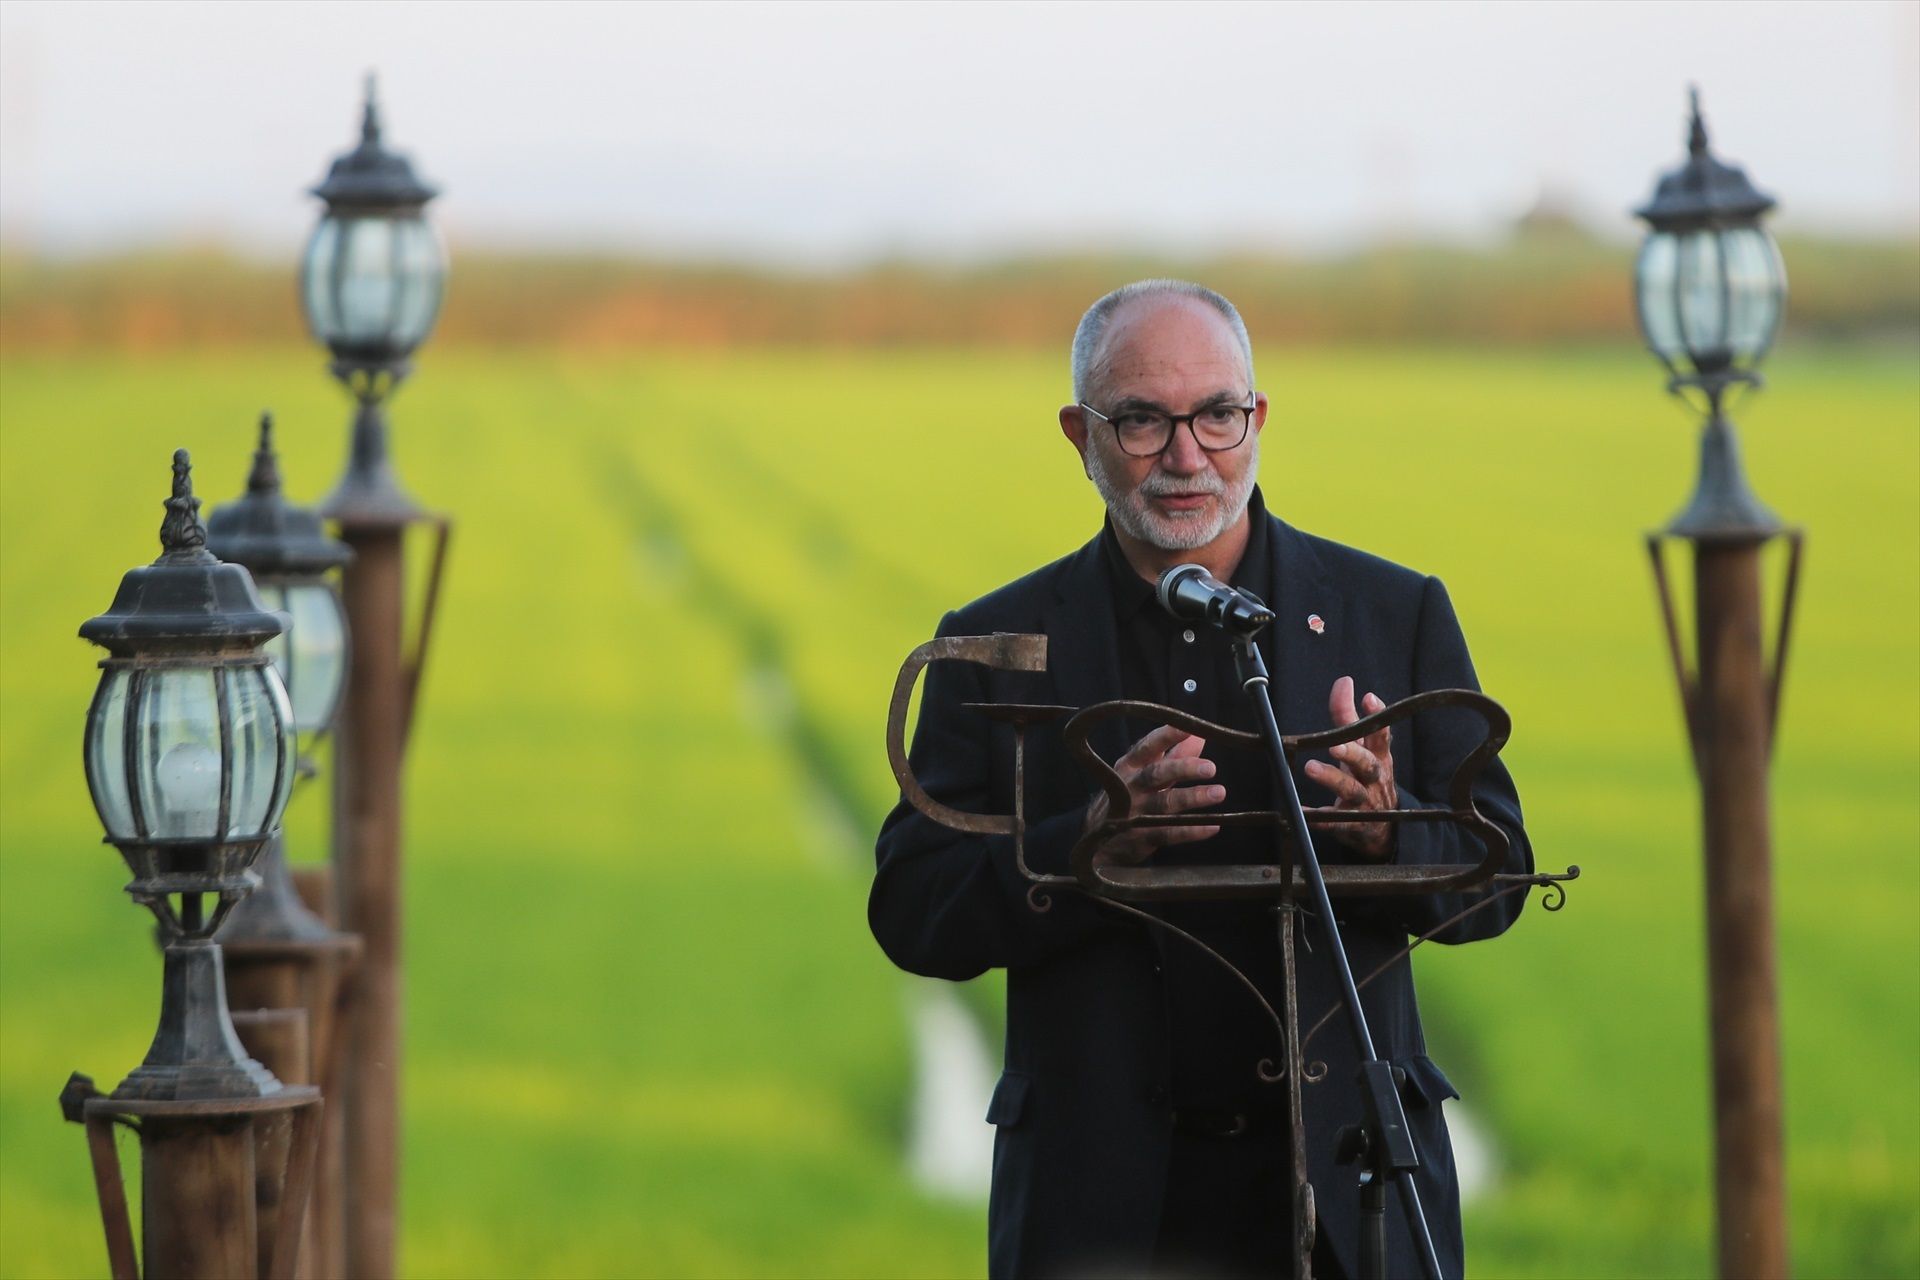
1190	593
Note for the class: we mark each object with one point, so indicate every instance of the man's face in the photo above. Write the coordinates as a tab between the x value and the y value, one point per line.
1176	355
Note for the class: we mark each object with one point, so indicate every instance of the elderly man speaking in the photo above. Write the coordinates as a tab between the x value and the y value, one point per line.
1135	1134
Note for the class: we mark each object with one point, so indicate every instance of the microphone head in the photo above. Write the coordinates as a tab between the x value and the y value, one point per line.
1171	580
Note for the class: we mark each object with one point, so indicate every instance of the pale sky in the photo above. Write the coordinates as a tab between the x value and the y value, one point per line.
833	133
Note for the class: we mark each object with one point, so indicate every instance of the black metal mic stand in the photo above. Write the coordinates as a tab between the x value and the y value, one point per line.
1384	1143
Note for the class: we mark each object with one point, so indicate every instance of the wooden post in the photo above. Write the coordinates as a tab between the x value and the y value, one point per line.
367	886
325	1253
197	1212
277	1037
1735	734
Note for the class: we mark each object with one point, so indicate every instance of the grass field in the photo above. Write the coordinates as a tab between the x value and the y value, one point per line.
648	1033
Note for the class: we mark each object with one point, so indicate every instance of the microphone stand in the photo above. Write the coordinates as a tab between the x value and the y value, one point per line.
1383	1143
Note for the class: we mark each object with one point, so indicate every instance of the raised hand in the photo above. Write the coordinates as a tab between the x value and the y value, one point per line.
1364	779
1164	774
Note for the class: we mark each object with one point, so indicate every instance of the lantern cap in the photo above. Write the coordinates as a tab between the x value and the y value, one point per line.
370	177
187	599
266	533
1704	191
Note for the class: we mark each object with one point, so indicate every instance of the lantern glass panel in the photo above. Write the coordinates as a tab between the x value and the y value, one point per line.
262	750
1756	287
373	280
317	642
107	754
1702	299
1655	278
177	770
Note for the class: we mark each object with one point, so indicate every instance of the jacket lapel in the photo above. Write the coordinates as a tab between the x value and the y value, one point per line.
1303	662
1083	648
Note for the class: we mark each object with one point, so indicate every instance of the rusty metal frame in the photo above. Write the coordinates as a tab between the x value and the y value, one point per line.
1241	881
1687	680
415	668
1117	887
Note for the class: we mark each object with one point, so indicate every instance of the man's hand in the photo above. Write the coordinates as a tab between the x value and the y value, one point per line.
1164	774
1364	779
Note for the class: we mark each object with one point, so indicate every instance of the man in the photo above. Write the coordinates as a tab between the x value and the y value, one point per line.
1135	1132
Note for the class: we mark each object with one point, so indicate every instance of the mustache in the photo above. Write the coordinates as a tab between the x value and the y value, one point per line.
1163	486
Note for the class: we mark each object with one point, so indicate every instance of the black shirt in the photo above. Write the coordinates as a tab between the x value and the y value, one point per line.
1217	1033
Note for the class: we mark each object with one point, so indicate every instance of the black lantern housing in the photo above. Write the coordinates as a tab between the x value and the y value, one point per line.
371	281
370	285
1709	284
287	550
189	758
1710	290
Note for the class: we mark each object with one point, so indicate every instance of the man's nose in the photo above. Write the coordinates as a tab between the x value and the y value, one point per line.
1183	454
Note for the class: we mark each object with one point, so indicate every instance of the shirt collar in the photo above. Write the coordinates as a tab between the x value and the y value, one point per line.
1132	593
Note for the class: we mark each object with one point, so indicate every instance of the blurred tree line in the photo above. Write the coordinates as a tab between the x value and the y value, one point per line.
1549	282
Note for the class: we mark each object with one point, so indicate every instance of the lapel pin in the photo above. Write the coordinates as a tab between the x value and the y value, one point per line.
1316	624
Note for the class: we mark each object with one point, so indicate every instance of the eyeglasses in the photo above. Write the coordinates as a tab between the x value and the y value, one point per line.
1146	432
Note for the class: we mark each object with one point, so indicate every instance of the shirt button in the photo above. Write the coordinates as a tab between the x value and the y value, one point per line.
1157	1096
1190	685
1187	635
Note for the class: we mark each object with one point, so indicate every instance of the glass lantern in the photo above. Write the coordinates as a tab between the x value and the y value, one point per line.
291	557
1709	286
373	273
189	742
181	750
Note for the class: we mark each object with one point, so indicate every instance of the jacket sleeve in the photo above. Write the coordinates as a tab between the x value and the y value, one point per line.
1442	740
951	905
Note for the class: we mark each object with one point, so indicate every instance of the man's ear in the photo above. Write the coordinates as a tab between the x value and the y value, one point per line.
1073	425
1259	411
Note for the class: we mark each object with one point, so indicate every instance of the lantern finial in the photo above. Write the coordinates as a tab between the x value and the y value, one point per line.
182	537
1696	127
265	477
370	116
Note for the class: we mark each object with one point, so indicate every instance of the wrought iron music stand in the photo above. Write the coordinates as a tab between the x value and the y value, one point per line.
1381	1146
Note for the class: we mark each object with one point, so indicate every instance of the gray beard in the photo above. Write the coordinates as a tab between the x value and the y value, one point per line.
1133	516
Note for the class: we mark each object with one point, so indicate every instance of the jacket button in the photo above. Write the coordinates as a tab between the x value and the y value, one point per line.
1157	1095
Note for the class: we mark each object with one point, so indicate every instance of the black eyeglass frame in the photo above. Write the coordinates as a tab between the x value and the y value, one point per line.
1173	425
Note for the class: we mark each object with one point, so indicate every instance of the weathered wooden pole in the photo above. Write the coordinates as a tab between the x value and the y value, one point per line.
367	882
1730	701
373	515
277	1038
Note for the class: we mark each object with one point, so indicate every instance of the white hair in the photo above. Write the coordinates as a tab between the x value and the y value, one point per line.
1090	337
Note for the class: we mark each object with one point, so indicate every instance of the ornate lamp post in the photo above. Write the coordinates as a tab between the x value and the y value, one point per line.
1710	290
284	962
189	757
371	285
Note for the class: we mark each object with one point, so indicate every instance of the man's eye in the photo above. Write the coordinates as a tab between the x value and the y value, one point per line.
1220	415
1139	420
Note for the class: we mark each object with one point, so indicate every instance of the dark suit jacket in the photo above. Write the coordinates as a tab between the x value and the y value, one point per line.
1081	1149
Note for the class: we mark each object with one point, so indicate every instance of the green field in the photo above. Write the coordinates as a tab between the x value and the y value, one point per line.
648	1032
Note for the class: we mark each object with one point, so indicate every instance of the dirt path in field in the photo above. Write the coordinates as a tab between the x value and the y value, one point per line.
949	1144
